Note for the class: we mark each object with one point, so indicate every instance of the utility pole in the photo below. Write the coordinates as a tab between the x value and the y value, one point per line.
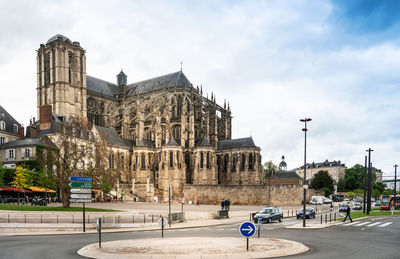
305	167
394	190
369	180
365	183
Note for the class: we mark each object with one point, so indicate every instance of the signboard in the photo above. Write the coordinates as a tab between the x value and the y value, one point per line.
78	190
80	179
87	196
87	185
247	229
78	200
161	221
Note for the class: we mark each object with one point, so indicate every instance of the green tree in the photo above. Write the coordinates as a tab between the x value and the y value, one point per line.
327	191
106	186
269	167
354	177
321	180
341	185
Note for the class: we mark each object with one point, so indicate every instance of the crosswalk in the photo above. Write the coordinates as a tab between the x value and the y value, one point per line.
367	224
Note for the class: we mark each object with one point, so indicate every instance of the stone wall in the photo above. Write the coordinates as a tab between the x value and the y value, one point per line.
275	195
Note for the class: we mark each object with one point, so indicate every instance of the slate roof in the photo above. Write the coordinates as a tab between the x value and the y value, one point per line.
28	142
326	163
172	142
9	120
100	86
282	175
146	143
111	136
177	79
55	37
204	143
236	143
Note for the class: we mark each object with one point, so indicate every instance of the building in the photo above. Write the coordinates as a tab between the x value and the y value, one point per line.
174	134
10	129
378	173
334	168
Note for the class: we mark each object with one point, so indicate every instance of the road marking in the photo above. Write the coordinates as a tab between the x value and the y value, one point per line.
362	224
385	224
348	224
373	224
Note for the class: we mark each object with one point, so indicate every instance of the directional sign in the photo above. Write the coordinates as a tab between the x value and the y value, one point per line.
78	190
79	200
87	185
160	222
80	179
247	229
87	196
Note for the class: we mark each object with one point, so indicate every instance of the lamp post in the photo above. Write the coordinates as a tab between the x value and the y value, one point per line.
369	150
395	183
305	120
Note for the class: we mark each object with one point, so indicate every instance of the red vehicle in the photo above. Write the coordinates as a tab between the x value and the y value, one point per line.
388	200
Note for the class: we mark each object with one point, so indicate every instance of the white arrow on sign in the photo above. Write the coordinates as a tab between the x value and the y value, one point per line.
81	196
79	190
250	229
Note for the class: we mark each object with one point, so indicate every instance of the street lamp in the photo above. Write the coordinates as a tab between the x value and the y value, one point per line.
305	120
394	191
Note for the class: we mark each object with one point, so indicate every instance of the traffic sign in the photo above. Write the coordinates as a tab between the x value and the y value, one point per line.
81	196
79	200
247	229
87	185
161	221
80	178
78	190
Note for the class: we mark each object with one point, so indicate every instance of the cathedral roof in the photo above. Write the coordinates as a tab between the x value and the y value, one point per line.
55	37
174	79
282	175
204	143
172	142
236	143
146	143
111	136
100	86
9	120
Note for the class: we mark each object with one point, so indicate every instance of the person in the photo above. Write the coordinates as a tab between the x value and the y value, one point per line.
227	204
222	204
197	202
348	214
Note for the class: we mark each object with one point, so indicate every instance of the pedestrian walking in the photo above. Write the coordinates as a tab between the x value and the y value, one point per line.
348	214
228	204
222	204
197	202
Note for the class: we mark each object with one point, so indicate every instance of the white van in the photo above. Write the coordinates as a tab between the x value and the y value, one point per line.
317	200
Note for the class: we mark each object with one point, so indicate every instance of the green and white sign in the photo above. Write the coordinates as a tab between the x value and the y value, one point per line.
86	185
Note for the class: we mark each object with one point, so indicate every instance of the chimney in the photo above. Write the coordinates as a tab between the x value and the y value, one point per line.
45	117
33	131
21	132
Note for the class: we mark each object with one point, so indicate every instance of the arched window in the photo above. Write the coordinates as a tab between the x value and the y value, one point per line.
201	159
176	132
171	159
111	161
251	162
143	165
208	160
234	161
242	164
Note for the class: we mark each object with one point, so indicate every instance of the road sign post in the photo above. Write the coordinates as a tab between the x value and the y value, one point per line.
247	229
162	223
99	230
259	228
81	191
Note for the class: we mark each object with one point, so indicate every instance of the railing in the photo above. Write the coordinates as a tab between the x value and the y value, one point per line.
177	217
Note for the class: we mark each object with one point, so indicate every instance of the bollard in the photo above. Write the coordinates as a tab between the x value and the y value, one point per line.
250	216
73	219
41	219
330	217
144	218
25	218
133	219
8	218
57	219
152	218
335	216
326	218
118	219
321	218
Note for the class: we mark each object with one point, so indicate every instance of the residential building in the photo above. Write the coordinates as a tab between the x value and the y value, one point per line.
335	169
10	129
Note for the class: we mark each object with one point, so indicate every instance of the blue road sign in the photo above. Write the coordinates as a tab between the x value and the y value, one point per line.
247	229
80	178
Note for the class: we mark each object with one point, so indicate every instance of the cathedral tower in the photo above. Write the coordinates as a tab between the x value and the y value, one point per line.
61	77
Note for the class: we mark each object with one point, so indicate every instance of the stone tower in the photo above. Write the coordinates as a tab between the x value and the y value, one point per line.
61	77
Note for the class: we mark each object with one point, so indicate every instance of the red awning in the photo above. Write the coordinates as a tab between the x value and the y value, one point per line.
13	189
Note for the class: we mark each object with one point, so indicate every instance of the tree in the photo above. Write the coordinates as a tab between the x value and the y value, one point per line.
269	167
321	180
73	153
341	186
20	179
354	177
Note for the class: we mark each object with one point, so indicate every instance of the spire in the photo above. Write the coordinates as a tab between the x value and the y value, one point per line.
181	66
121	78
224	104
229	108
201	90
212	96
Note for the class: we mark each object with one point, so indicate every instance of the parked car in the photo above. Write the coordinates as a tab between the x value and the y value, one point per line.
346	199
269	214
310	213
357	206
378	203
327	201
343	207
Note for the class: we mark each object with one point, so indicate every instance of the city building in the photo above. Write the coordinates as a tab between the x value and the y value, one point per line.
10	129
335	169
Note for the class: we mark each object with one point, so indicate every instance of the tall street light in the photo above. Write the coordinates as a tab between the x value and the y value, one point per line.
305	120
369	150
395	183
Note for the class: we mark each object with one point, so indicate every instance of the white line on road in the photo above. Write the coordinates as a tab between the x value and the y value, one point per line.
373	224
362	224
348	224
386	224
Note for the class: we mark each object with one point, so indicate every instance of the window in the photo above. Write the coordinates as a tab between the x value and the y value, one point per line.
10	154
27	152
3	140
171	159
111	161
201	159
242	165
251	164
2	125
143	165
208	160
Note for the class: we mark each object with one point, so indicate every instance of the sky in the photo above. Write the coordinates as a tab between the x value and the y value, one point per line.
336	62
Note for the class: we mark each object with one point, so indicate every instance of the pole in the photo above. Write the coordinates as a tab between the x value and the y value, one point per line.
169	206
247	246
83	210
305	169
99	232
394	190
369	181
162	227
365	183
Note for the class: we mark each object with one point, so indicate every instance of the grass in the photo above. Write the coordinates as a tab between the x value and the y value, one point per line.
373	213
45	208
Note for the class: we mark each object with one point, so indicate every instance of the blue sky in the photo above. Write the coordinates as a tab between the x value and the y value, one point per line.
275	61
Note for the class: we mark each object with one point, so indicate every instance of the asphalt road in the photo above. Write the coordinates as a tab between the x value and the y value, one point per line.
368	238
